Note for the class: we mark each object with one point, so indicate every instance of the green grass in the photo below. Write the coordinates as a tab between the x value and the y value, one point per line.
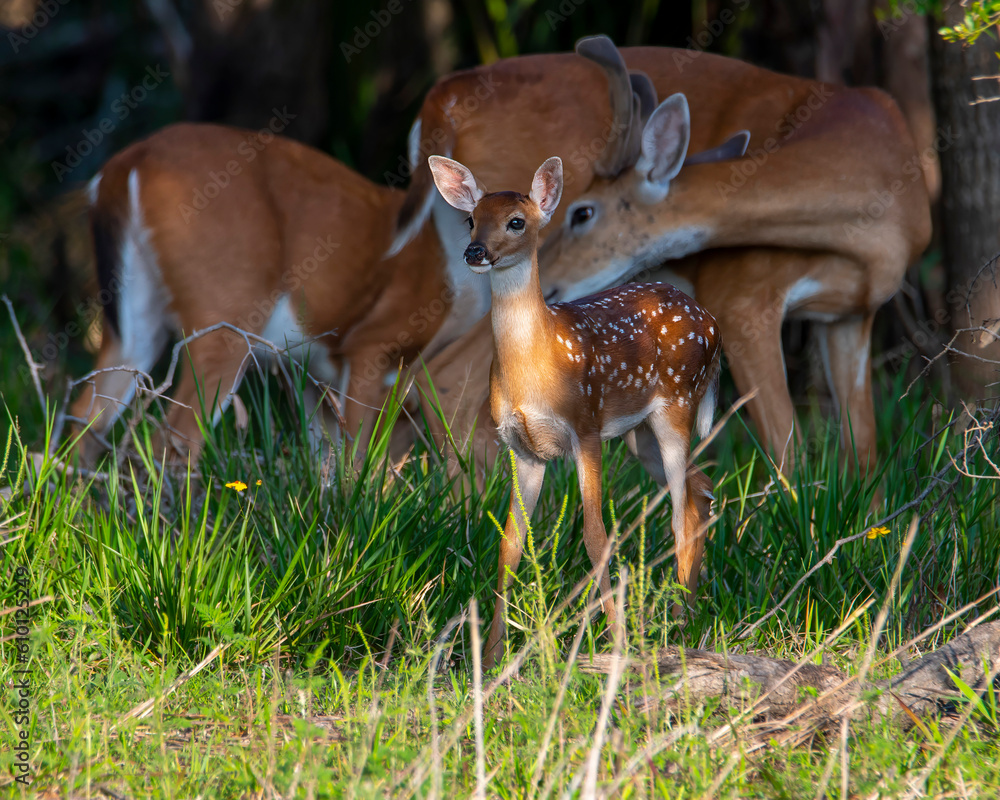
341	612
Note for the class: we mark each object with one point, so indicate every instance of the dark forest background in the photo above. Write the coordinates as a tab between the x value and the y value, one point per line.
80	80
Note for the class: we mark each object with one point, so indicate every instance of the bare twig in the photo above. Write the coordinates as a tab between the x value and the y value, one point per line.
33	366
145	708
589	791
36	602
151	392
557	707
477	699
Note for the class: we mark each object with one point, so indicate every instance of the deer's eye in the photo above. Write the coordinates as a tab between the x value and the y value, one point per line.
581	215
516	224
471	223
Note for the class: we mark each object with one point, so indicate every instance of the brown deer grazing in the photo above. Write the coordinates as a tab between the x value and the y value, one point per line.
200	224
568	376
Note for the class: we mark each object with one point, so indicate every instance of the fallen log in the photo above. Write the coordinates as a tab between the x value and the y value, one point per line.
775	688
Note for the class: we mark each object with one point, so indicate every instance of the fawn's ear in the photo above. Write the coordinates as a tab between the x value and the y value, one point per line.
456	183
547	186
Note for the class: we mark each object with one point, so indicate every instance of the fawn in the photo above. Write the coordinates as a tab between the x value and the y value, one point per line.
568	376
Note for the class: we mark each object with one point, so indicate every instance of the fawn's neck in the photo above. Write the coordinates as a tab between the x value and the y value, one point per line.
522	322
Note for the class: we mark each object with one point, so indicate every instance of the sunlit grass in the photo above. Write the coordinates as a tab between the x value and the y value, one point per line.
337	610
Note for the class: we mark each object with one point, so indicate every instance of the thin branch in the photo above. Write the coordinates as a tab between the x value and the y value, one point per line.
33	366
145	708
151	392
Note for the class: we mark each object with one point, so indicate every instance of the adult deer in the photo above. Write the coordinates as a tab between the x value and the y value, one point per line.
202	224
820	223
566	377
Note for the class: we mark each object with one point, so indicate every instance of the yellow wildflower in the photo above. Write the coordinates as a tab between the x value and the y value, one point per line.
239	486
874	533
258	481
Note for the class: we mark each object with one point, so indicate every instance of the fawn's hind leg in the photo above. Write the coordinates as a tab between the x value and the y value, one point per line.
663	448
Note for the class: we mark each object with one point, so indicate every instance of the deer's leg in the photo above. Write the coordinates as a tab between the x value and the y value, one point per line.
672	428
698	507
846	346
697	512
595	537
530	473
217	362
642	443
320	421
751	340
366	392
109	393
460	395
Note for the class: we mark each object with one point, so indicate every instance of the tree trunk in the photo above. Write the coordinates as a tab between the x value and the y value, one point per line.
251	64
969	147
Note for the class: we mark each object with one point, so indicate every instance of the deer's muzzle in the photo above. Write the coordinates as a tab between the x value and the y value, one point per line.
476	255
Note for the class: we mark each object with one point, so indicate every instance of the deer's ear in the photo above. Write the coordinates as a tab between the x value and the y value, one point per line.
547	186
665	142
456	183
734	147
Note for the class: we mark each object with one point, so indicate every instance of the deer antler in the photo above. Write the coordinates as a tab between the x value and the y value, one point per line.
622	148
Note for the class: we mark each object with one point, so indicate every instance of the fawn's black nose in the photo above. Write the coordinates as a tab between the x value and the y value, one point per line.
475	254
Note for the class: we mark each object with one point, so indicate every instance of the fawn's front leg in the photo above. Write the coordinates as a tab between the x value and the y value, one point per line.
595	538
530	473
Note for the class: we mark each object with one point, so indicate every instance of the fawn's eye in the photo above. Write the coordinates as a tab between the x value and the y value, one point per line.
581	215
516	224
471	223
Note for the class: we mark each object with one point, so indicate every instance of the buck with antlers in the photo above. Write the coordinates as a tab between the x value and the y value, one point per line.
202	224
566	377
820	223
